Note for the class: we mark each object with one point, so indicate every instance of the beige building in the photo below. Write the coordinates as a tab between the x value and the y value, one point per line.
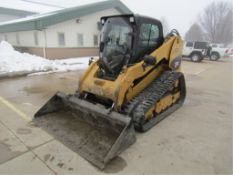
66	33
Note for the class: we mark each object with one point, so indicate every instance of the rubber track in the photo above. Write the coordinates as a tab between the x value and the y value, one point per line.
146	99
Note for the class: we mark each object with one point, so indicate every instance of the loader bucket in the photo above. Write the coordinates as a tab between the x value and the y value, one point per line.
87	129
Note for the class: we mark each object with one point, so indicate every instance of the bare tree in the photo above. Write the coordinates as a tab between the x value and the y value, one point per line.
216	21
225	35
194	33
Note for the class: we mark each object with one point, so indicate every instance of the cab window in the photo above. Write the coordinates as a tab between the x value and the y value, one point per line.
149	34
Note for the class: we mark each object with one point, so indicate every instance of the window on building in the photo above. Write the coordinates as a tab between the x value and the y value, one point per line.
95	39
36	38
5	37
99	26
61	39
149	35
17	39
80	39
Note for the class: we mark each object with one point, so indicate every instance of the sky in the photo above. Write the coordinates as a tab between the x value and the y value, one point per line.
179	14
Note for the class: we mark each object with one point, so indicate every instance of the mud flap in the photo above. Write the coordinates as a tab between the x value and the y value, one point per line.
86	128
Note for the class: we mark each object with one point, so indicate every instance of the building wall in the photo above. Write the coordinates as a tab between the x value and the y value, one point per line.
26	38
61	53
87	27
48	38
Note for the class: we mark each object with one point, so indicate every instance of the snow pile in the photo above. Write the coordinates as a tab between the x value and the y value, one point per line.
14	62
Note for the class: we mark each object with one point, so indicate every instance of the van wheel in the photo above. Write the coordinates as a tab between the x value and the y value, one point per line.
195	57
214	57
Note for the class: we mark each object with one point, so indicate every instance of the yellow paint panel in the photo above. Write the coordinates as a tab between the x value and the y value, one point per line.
122	89
161	105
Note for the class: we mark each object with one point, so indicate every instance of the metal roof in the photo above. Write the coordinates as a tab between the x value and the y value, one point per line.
39	22
15	12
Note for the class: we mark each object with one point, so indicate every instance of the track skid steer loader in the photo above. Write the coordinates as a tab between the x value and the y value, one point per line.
135	83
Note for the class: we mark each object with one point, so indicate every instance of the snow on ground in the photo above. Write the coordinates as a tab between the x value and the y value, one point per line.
13	63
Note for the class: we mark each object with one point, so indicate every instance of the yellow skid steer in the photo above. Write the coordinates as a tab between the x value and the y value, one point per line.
135	83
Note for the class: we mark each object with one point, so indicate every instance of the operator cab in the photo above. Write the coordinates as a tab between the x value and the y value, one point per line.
125	40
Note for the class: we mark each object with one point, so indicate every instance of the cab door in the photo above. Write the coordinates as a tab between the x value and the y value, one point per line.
149	37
